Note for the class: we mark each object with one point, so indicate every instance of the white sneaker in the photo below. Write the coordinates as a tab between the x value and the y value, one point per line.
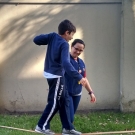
70	132
47	131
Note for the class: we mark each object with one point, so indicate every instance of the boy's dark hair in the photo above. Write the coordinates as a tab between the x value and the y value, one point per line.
77	41
66	25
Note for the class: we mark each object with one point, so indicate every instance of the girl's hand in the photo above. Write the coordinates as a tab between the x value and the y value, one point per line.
93	98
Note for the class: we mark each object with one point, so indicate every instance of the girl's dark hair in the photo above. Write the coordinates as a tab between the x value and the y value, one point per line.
77	41
66	25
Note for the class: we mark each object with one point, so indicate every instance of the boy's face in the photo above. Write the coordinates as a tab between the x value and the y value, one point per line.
69	36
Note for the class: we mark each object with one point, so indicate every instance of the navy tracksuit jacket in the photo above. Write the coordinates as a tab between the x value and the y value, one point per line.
73	87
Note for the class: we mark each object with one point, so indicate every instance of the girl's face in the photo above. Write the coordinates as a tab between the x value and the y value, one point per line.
76	50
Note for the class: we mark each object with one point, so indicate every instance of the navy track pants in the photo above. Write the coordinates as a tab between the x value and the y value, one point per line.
58	100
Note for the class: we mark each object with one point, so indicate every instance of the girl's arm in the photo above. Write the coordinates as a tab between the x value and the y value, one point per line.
90	92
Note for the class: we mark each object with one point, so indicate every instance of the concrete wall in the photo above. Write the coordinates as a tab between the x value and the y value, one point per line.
98	22
128	57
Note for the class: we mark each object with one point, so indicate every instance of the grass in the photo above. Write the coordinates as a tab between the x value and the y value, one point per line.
92	122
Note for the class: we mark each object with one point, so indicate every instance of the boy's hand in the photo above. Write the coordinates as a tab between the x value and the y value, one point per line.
83	81
93	98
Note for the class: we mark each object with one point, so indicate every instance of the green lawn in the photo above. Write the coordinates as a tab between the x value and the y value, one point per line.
92	122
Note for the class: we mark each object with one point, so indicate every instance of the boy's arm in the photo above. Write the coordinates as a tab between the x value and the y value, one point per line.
41	39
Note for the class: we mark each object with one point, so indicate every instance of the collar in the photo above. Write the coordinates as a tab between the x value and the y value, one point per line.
77	59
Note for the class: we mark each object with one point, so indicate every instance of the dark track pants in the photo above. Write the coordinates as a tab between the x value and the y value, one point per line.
58	100
74	102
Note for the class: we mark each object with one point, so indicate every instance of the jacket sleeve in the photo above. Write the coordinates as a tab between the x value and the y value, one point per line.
84	69
41	39
65	59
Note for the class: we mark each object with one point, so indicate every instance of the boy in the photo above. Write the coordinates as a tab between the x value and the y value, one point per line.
57	62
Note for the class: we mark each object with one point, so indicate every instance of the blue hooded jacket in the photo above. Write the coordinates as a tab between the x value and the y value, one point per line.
57	57
73	87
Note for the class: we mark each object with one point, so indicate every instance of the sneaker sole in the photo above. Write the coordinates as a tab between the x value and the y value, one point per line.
43	133
39	131
70	134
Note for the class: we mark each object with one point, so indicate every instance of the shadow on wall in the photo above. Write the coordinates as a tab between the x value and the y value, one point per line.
21	80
